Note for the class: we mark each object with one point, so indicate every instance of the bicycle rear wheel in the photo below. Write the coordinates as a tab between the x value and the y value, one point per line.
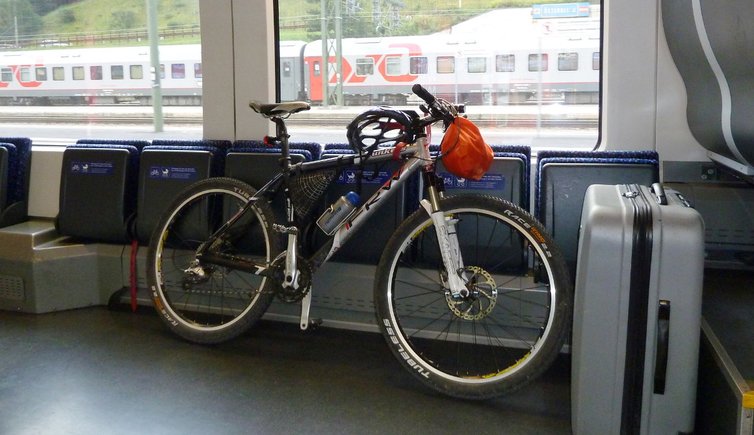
206	303
510	325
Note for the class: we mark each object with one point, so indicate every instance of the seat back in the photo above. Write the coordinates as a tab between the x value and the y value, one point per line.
16	203
564	176
98	192
164	171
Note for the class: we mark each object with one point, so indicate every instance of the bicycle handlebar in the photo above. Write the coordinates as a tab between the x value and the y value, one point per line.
438	108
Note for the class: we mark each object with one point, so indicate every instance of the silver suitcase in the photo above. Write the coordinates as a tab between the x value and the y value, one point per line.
637	312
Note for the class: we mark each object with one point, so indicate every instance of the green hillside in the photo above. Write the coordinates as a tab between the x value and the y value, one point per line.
76	21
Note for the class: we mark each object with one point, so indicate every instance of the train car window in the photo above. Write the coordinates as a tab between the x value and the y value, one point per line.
25	74
95	72
316	69
198	70
116	72
477	65
393	66
505	63
446	64
418	65
40	74
538	62
364	66
136	72
568	61
285	70
162	71
178	71
6	75
78	72
596	60
58	73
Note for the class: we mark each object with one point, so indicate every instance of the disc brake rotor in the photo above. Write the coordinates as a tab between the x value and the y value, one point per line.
481	298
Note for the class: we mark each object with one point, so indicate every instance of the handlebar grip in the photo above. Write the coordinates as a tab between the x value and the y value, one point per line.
423	94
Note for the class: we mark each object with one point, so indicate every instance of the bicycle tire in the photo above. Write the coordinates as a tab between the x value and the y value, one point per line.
509	328
211	304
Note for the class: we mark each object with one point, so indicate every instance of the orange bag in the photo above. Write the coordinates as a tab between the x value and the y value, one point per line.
464	152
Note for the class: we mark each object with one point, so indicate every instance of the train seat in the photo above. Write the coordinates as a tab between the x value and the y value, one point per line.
366	245
216	143
165	170
6	150
98	192
564	176
15	207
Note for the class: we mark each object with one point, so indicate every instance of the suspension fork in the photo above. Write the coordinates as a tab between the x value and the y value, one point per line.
447	237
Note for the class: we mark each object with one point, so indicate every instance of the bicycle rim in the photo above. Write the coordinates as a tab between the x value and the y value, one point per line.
200	299
502	332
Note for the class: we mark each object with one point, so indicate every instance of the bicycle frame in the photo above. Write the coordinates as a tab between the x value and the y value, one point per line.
415	157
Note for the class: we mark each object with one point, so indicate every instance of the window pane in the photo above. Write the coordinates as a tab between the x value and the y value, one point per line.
505	63
418	65
41	74
95	72
116	72
58	73
25	74
137	72
364	66
538	62
78	73
393	66
446	64
6	75
198	70
178	71
568	61
388	46
477	65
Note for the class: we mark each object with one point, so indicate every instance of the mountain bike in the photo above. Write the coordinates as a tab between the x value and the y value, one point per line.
471	294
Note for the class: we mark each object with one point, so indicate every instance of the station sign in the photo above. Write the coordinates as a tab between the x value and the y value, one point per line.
560	10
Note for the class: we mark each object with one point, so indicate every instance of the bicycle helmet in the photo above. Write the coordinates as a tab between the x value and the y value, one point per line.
379	128
464	151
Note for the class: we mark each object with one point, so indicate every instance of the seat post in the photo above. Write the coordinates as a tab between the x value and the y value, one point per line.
281	133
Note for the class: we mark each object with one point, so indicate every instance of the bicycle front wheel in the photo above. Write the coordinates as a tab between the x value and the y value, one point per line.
206	303
508	324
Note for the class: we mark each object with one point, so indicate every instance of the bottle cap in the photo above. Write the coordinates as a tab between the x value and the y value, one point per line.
353	198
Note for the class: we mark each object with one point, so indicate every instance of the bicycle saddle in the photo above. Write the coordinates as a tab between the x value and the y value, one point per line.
279	109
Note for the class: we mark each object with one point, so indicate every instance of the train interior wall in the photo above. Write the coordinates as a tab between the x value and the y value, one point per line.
643	108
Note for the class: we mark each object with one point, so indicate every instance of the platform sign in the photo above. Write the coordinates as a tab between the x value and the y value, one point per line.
560	10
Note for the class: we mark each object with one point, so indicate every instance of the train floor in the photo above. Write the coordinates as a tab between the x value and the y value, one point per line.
95	371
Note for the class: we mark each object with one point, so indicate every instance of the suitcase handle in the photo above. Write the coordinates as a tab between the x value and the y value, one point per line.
663	346
659	192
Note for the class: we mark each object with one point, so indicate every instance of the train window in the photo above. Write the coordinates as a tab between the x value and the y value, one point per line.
40	74
136	72
505	63
393	66
446	64
95	72
418	65
178	71
25	74
596	60
198	70
568	61
477	64
286	69
6	75
538	62
364	66
162	71
58	73
116	72
78	72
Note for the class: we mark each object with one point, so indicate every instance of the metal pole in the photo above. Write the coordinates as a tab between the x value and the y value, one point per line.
338	54
154	50
324	69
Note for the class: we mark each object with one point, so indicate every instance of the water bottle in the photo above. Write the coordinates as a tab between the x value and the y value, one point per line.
337	213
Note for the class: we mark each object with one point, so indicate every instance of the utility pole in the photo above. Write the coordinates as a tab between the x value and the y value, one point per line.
335	48
154	51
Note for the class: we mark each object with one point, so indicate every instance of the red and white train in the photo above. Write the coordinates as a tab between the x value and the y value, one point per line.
374	71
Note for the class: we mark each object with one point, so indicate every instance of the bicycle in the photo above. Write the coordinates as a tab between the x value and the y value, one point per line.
471	294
